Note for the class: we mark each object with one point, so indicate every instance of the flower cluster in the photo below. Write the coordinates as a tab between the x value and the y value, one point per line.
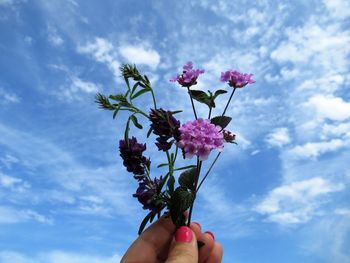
199	137
165	126
229	136
147	194
189	75
133	159
236	79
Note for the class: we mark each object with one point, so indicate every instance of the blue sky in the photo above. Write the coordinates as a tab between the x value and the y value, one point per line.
281	195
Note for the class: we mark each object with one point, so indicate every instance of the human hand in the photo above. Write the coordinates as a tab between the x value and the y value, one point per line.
157	244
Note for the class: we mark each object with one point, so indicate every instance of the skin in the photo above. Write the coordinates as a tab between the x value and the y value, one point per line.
157	242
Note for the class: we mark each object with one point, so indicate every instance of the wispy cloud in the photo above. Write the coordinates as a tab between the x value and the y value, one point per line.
140	55
56	256
297	202
11	215
8	97
279	137
102	51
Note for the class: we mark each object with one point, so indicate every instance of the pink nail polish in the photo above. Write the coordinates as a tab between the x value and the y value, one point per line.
197	225
211	234
183	234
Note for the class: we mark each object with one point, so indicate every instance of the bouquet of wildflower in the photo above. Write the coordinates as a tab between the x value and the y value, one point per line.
197	137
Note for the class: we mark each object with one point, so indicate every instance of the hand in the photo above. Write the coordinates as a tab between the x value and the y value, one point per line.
157	244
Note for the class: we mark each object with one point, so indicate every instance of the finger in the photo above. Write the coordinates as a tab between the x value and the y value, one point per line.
154	243
216	254
185	247
207	239
206	250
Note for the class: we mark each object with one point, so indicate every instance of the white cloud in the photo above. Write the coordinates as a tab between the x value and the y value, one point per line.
325	46
76	87
329	107
6	2
315	149
13	183
343	212
279	137
339	9
8	97
102	51
56	257
341	129
8	160
140	55
54	38
70	179
297	202
10	215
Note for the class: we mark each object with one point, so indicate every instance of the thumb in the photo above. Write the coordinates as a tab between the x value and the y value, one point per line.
185	248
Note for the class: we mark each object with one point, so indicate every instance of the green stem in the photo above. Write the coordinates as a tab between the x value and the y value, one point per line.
194	110
139	111
154	98
209	115
171	164
199	166
207	173
228	102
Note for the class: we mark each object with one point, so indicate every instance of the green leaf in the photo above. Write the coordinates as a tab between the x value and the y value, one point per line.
126	133
163	181
202	97
222	121
187	178
116	111
152	217
176	111
121	99
184	167
134	88
180	201
162	165
219	92
135	122
140	92
149	132
144	222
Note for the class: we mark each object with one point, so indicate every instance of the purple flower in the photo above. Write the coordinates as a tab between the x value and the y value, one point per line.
132	156
199	137
236	79
148	194
165	126
189	75
229	136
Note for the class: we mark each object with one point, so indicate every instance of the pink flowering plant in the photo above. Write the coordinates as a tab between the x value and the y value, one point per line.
194	138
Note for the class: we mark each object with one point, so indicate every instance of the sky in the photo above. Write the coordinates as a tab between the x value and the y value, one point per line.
280	195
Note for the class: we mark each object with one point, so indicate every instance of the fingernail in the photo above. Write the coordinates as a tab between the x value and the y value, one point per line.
211	234
183	234
197	225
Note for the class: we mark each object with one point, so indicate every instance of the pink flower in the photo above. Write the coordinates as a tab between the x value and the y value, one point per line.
189	75
199	137
236	79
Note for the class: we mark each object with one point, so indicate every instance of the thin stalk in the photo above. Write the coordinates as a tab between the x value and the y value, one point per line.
139	111
228	102
199	166
171	164
207	173
194	110
209	115
154	98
